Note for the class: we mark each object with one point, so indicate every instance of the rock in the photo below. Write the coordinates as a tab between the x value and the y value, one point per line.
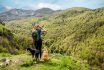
8	61
5	62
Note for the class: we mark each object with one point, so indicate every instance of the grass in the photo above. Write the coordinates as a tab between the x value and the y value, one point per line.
76	33
56	62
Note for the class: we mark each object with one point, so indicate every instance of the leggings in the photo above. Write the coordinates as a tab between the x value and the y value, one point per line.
38	46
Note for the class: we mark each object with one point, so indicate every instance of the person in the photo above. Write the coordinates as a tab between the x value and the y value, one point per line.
37	40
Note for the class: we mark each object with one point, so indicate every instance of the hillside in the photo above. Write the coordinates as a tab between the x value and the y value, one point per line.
21	27
44	12
76	32
11	43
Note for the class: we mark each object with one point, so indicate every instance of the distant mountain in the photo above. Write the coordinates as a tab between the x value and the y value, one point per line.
79	8
20	13
74	11
16	14
43	12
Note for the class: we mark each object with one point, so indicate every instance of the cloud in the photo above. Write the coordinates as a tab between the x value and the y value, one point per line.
48	5
45	5
53	4
8	7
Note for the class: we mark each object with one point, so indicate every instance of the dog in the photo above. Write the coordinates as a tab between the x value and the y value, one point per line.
45	54
34	52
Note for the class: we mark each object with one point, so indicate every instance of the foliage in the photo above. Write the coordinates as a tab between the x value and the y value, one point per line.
56	62
80	35
10	42
78	32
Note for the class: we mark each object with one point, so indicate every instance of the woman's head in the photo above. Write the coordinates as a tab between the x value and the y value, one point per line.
36	26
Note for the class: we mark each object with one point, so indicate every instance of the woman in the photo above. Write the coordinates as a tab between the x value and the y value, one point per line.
36	35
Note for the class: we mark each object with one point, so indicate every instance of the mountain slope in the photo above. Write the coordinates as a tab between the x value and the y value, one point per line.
11	43
20	13
79	34
16	14
43	12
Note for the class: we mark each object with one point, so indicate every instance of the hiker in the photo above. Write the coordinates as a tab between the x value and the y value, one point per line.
37	40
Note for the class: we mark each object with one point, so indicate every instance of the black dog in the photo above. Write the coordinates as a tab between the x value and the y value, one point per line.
34	52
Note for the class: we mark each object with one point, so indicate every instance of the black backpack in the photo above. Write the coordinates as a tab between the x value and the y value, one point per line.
35	35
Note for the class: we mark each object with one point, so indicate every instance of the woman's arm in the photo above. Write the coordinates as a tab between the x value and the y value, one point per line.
43	30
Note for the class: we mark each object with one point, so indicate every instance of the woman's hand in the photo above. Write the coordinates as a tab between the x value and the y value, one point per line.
43	30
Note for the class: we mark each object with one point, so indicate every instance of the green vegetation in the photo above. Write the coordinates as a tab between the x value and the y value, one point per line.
21	27
10	42
78	33
56	62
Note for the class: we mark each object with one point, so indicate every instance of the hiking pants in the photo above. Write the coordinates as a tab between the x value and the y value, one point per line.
38	46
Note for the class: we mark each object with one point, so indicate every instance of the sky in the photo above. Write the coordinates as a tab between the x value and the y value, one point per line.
53	4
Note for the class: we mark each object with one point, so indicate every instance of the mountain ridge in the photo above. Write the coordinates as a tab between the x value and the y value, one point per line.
21	13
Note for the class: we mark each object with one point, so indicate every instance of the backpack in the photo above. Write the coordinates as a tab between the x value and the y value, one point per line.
35	35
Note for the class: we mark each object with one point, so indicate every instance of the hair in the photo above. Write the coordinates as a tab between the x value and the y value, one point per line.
36	26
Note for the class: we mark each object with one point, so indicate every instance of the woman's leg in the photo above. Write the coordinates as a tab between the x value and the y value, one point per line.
40	47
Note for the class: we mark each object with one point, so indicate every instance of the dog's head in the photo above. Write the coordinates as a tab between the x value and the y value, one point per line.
45	50
32	50
28	49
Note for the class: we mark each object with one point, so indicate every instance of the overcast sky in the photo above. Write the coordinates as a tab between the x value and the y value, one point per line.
53	4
